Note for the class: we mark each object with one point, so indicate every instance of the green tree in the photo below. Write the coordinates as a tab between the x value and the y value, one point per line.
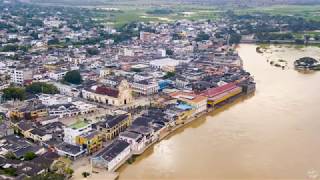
29	156
69	172
9	171
14	93
47	176
235	38
73	77
85	174
40	87
93	51
169	52
169	75
202	37
10	155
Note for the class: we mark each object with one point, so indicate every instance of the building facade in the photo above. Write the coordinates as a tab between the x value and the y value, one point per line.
121	95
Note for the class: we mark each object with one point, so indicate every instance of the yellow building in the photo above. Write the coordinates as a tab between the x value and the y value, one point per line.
92	141
23	127
111	126
29	112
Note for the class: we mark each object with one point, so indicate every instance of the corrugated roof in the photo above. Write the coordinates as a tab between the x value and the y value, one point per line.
107	91
218	90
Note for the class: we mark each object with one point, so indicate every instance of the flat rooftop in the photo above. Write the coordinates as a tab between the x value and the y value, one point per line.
78	125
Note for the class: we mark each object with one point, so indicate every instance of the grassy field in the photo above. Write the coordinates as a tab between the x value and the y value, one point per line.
305	11
196	12
136	10
128	14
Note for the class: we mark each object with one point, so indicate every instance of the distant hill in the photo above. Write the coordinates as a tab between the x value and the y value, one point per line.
215	2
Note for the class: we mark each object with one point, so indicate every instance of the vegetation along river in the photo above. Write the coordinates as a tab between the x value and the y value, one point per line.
274	134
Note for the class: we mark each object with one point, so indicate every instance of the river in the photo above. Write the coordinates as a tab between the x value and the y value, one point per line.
274	134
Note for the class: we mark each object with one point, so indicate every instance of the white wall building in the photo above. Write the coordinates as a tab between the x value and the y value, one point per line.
112	156
18	76
145	87
74	130
58	75
50	100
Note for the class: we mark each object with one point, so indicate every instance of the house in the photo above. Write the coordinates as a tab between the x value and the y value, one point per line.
20	75
112	126
39	135
91	141
112	156
48	99
23	127
137	141
71	109
121	95
68	90
5	129
30	111
69	150
57	75
18	146
74	130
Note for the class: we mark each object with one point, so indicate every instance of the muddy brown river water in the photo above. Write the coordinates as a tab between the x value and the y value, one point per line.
274	134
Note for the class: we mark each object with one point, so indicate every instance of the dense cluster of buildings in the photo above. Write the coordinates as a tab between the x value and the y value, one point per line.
132	95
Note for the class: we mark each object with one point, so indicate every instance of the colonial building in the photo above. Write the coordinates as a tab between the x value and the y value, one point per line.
31	111
91	141
111	126
116	96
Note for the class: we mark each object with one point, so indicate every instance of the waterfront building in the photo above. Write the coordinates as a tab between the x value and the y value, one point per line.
198	102
112	156
219	94
137	141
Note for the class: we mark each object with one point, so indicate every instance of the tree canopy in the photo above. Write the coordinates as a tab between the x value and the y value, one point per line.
29	156
202	36
47	176
14	93
40	87
73	77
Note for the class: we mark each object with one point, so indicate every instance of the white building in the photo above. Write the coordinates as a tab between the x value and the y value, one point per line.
66	89
74	130
50	100
137	141
112	156
19	76
58	75
145	87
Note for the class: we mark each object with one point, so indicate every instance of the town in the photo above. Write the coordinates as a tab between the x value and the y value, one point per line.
72	88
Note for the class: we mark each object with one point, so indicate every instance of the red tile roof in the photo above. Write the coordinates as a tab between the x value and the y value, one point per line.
107	91
218	90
